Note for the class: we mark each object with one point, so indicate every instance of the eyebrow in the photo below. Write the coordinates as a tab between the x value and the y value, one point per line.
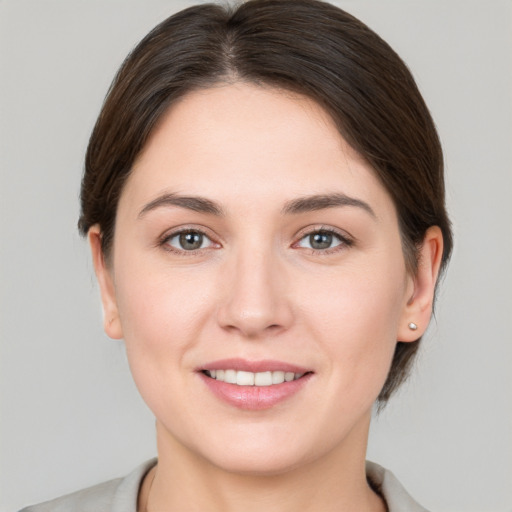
296	206
197	204
323	201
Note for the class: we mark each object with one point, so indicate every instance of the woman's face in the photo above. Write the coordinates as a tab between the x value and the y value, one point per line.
251	240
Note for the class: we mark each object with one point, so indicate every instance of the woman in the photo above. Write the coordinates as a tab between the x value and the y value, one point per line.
264	201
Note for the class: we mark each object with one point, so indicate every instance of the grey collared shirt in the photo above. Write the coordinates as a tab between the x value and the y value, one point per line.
120	495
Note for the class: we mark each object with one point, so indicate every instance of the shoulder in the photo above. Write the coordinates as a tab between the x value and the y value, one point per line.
118	495
97	498
393	492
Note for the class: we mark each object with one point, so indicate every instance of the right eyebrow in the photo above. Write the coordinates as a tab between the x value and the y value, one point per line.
195	203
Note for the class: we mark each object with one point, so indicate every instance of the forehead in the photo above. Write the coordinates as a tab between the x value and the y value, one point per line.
259	143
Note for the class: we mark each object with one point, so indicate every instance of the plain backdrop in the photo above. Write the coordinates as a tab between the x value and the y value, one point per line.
70	414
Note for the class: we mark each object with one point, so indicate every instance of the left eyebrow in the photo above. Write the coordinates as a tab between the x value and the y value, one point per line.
323	201
195	203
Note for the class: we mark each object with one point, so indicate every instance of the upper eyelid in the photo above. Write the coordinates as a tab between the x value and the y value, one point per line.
170	233
344	235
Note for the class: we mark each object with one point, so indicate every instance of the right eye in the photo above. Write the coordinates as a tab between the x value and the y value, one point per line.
188	240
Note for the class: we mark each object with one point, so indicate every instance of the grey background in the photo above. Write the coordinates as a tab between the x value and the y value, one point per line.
70	415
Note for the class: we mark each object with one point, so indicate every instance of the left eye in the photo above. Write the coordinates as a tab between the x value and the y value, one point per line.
320	240
189	241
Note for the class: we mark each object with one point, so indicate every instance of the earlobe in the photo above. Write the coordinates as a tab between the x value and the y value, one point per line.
418	309
111	320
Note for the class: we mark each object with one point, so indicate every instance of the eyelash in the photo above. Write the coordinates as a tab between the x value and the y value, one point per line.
166	238
344	241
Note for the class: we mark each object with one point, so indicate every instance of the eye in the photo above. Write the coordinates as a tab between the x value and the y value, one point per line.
322	240
189	240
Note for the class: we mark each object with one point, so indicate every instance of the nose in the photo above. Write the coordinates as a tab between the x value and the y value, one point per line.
256	299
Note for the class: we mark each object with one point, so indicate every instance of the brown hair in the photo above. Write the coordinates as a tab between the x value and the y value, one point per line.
305	46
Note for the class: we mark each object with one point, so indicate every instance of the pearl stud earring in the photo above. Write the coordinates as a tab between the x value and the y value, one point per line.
412	326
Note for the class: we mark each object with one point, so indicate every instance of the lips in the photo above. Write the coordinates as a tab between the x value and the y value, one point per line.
266	365
254	385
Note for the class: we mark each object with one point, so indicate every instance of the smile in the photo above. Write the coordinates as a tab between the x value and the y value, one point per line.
245	378
254	385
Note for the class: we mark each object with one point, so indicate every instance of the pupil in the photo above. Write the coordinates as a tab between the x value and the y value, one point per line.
191	241
320	240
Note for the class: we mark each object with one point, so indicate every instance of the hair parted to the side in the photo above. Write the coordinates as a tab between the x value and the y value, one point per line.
305	46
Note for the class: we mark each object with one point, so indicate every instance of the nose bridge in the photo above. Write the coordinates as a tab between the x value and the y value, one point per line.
256	298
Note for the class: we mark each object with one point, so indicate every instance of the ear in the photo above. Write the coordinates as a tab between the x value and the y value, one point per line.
111	320
418	309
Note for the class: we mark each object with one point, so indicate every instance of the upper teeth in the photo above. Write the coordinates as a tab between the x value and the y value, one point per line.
242	378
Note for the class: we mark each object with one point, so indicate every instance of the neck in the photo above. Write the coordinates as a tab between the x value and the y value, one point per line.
183	480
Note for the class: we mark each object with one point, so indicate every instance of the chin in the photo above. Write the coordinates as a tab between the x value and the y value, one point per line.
257	449
261	463
268	451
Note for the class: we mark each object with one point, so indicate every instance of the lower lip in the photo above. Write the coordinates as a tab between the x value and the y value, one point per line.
254	398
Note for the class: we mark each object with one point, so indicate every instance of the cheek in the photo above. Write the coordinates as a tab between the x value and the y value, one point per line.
162	315
162	311
355	315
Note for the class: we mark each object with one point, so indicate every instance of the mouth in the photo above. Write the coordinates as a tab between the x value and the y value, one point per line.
254	385
245	378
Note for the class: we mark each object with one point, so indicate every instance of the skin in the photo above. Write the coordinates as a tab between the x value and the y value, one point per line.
258	290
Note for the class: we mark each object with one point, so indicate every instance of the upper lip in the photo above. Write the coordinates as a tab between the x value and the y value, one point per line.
265	365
